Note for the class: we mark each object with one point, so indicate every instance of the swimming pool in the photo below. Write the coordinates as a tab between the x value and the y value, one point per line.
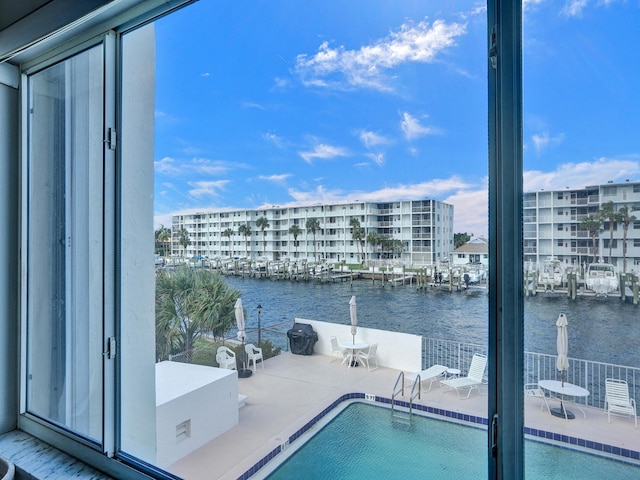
362	441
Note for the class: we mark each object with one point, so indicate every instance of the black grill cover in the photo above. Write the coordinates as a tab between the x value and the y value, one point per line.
302	339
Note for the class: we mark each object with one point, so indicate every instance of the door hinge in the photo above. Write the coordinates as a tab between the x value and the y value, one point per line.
111	348
111	138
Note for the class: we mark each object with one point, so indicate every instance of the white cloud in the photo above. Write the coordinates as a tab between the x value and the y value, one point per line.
166	166
413	129
377	158
275	178
471	210
372	139
573	8
323	151
366	67
273	138
207	188
579	175
543	140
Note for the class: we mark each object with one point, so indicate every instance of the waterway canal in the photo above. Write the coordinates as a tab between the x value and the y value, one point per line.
600	329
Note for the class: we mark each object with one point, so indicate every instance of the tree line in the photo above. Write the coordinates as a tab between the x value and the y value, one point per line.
607	216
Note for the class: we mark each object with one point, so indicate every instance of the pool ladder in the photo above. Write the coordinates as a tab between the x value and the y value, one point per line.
396	414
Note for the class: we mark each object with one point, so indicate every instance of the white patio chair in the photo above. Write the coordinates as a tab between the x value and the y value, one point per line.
337	350
368	355
253	355
472	381
226	358
617	400
430	375
534	390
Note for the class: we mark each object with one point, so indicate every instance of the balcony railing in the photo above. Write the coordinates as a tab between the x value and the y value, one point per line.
538	366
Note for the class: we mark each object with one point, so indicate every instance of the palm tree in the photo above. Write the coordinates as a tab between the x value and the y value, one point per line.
374	239
163	240
608	214
357	233
313	225
183	239
245	231
191	303
229	233
263	223
592	225
625	218
295	230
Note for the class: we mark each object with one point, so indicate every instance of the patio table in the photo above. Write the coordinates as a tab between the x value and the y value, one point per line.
564	390
353	347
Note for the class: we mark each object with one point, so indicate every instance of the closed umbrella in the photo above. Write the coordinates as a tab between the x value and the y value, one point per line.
562	363
562	344
242	336
240	320
354	317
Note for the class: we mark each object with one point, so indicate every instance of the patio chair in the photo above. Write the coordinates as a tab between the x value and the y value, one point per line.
366	356
617	400
430	374
226	358
253	355
337	350
472	381
534	390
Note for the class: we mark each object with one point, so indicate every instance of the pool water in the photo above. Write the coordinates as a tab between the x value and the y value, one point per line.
363	441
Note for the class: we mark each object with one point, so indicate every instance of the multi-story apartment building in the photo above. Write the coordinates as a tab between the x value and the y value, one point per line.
424	228
552	225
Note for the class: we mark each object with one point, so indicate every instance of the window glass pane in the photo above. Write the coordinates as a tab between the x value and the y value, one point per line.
343	153
581	182
64	244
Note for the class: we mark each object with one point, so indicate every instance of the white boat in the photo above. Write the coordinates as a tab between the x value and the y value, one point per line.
473	273
602	278
550	274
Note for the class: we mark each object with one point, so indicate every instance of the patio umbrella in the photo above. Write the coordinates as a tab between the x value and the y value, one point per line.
562	341
240	320
354	317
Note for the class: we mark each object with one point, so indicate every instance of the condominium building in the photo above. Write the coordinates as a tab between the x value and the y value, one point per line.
552	225
420	232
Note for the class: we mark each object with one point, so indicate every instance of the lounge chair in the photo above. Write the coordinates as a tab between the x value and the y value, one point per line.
226	358
430	374
617	400
253	354
337	350
472	381
366	356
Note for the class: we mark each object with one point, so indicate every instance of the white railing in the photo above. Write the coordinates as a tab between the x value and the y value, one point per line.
538	366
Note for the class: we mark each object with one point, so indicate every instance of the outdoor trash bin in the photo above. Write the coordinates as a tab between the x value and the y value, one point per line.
302	338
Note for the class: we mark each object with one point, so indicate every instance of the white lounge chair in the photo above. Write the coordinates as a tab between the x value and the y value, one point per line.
253	355
617	400
337	350
430	374
226	358
366	356
472	381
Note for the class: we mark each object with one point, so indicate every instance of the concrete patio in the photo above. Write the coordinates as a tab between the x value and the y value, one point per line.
292	389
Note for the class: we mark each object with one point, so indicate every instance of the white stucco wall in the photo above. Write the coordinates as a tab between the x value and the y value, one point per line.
205	397
401	351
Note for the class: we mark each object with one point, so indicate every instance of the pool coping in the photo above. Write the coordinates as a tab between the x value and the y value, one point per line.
563	441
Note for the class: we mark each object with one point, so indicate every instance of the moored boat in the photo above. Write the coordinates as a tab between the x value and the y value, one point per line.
602	278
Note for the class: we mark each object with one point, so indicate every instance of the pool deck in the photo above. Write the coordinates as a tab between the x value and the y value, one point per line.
292	389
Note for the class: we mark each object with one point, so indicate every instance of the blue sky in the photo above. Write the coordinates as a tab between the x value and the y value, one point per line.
290	103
